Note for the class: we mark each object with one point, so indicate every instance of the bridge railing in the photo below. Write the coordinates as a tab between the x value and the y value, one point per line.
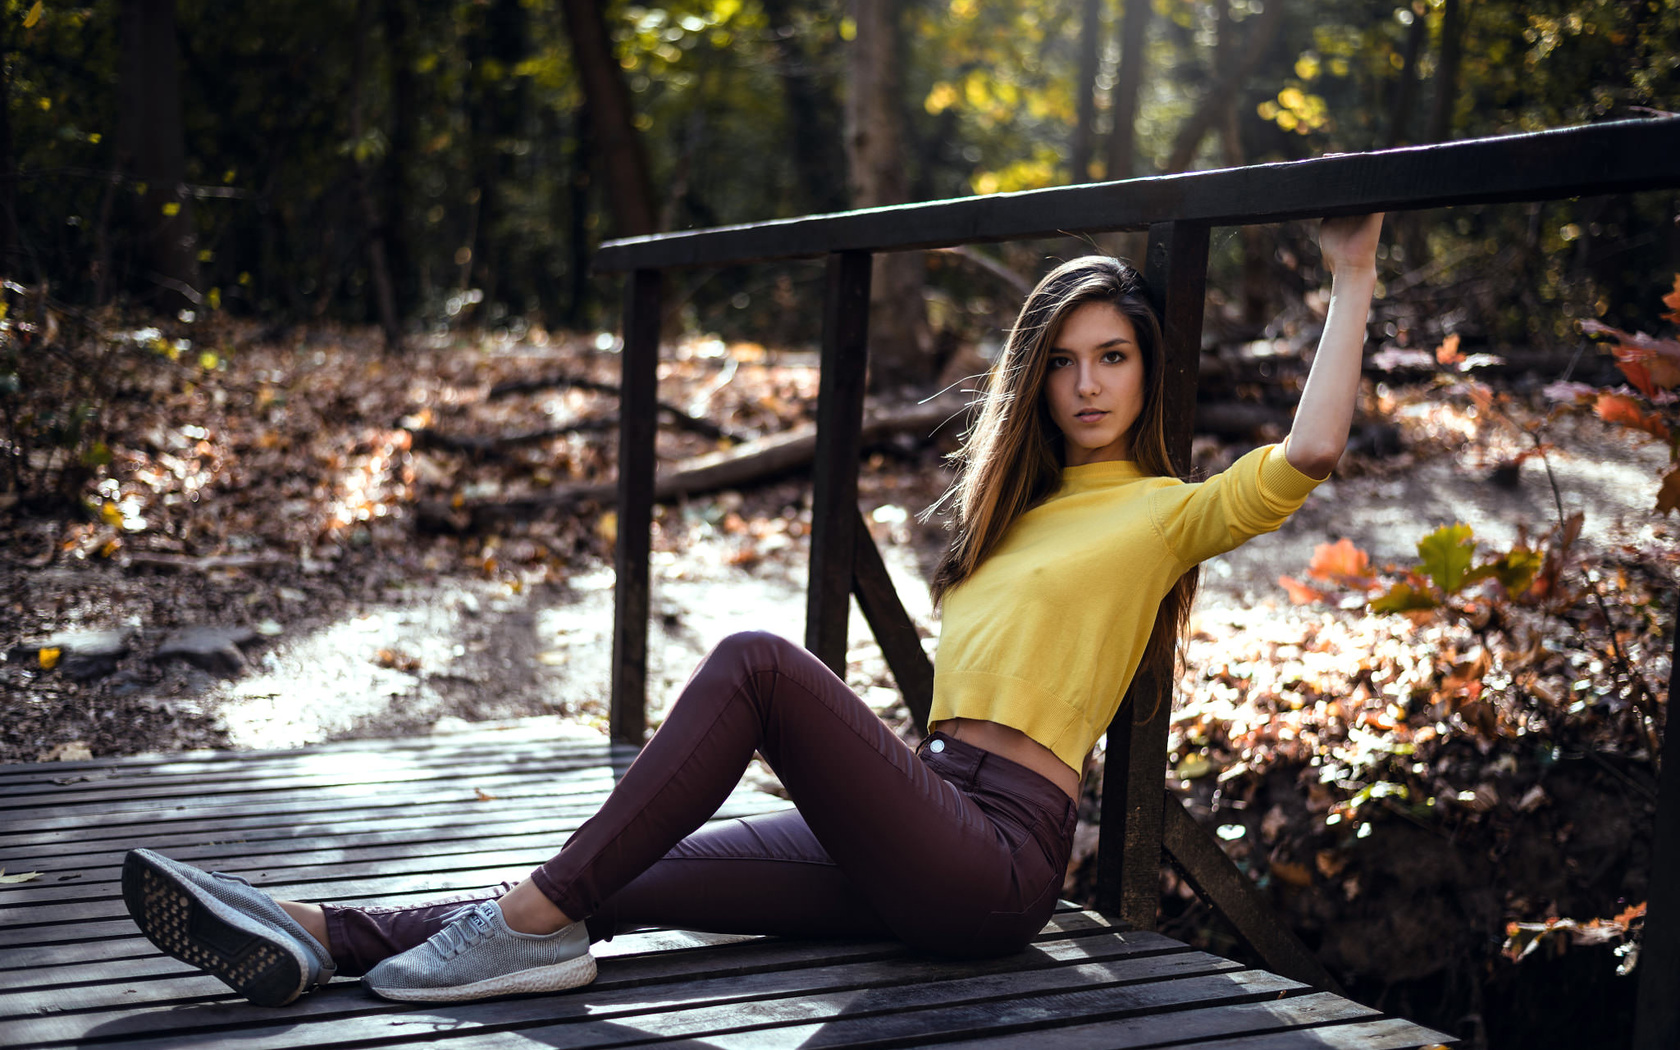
1178	211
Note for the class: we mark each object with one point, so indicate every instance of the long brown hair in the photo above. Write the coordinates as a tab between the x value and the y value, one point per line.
1011	458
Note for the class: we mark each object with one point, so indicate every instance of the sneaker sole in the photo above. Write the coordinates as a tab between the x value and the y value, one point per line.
572	973
203	932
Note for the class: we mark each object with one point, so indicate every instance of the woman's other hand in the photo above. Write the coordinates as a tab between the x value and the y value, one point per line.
1322	419
1349	243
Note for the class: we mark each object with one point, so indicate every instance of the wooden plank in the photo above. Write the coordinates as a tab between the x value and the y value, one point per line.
1614	157
892	627
1657	1016
349	778
1129	855
491	741
1301	1011
902	1015
1197	856
1386	1034
845	362
660	982
638	413
47	778
748	975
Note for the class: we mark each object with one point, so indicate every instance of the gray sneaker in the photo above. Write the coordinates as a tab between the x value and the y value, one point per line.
225	927
477	956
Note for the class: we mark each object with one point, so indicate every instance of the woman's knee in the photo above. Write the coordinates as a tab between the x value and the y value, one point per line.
752	649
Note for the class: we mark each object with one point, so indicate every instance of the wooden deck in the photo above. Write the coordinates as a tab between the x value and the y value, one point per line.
415	819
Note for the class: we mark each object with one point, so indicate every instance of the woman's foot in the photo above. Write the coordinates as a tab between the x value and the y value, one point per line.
478	957
225	927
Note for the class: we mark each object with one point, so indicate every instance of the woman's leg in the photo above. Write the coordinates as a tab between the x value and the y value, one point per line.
926	858
762	874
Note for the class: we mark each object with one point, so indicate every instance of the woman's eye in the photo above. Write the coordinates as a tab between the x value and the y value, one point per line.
1114	357
1058	362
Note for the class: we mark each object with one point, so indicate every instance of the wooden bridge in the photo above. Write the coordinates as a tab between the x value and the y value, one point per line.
418	819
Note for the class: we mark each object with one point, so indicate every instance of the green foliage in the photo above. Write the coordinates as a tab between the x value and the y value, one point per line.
471	139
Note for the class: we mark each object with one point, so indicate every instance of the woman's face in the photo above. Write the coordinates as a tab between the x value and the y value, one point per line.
1094	388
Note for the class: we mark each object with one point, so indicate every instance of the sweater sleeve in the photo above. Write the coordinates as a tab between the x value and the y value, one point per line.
1255	494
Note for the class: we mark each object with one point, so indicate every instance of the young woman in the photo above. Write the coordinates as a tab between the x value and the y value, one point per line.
1072	566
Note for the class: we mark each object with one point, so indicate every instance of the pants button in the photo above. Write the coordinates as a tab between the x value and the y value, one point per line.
937	746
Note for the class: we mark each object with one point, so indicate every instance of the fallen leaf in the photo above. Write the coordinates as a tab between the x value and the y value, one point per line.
1447	353
1668	496
27	876
397	660
71	751
484	796
1624	411
48	658
1341	562
1672	301
1292	873
1302	593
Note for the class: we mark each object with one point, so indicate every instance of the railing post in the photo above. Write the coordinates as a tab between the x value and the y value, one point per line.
1656	1019
1129	843
834	513
638	414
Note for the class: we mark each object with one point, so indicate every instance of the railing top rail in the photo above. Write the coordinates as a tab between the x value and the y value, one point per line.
1618	157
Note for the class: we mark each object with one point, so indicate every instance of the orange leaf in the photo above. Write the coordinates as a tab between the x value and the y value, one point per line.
1672	301
1625	411
1668	497
1637	373
1637	911
1340	562
484	796
1447	353
1301	593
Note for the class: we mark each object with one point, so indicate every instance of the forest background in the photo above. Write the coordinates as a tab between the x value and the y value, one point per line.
287	285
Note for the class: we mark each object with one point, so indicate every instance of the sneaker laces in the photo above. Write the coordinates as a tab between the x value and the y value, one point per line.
462	934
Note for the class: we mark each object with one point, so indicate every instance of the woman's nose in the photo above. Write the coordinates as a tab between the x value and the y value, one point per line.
1088	380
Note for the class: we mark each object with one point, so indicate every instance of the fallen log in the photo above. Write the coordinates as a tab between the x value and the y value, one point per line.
207	562
678	417
735	467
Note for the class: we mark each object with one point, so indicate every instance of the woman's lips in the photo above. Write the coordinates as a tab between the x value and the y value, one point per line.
1089	415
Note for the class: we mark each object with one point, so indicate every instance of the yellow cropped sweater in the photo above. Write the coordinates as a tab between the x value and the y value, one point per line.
1047	633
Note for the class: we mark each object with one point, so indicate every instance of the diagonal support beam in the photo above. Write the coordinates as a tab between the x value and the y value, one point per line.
892	626
1197	856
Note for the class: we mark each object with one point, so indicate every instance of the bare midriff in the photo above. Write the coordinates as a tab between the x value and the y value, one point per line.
1016	746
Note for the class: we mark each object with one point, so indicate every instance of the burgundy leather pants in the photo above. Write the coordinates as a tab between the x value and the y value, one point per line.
947	847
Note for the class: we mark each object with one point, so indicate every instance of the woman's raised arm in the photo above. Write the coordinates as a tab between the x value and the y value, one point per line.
1322	419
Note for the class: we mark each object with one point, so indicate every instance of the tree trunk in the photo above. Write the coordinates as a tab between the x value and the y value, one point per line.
577	218
379	272
1256	282
1405	93
153	148
1084	128
399	157
1229	77
814	122
900	344
629	184
10	260
1123	100
1446	71
498	115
